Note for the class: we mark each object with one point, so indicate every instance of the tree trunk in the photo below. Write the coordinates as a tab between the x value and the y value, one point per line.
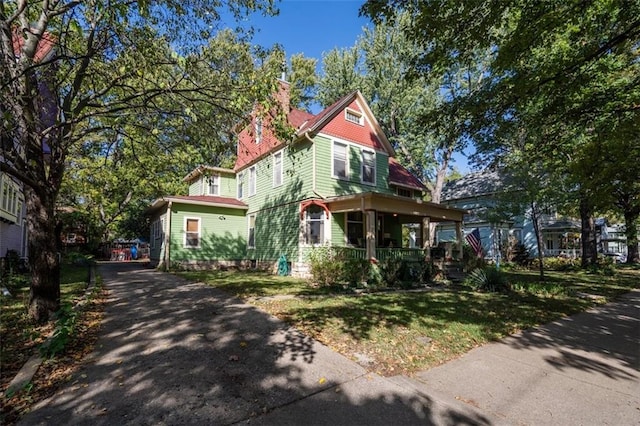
436	192
631	232
535	218
588	234
44	297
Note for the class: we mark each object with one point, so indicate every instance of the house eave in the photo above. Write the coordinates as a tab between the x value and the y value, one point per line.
161	202
201	169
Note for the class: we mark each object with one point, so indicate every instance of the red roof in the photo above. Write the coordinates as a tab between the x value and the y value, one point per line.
45	45
400	176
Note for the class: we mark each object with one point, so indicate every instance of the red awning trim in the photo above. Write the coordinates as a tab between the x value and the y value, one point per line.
305	204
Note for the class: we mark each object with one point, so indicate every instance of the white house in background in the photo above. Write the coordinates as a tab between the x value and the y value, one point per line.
477	192
13	228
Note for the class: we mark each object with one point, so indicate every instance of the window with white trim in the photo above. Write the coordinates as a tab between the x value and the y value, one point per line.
353	116
277	168
368	167
252	181
240	179
340	163
314	218
213	185
251	241
191	232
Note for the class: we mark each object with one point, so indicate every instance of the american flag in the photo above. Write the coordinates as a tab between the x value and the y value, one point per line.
474	241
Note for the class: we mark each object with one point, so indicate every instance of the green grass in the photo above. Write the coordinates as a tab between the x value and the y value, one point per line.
407	332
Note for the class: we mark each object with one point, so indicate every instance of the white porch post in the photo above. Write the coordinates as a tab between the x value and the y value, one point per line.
371	233
459	239
426	238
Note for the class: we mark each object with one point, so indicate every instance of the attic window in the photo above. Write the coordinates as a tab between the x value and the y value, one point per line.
353	116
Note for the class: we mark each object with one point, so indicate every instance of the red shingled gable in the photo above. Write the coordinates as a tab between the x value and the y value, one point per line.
45	45
401	176
363	134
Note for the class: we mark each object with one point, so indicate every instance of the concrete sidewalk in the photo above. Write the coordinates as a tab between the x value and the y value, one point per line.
178	353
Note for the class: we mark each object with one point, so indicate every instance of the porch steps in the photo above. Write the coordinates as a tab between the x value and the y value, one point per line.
454	272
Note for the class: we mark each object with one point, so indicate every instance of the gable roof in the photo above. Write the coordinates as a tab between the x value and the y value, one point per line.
200	200
308	125
198	171
400	176
477	184
355	100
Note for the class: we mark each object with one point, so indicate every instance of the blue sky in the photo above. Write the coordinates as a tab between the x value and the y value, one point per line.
314	27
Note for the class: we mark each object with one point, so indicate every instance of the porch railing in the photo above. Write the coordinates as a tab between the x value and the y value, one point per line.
382	254
570	253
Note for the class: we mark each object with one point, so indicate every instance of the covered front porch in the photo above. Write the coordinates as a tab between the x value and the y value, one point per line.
386	226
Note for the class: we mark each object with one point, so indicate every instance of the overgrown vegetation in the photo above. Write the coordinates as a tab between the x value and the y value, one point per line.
63	343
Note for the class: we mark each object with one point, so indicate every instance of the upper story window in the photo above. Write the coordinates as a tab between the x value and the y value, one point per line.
192	232
257	128
353	116
340	160
252	181
240	179
213	187
369	167
277	169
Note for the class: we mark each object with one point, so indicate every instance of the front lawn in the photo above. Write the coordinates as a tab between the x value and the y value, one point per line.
404	332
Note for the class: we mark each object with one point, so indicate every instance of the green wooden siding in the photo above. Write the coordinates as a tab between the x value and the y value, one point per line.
296	180
277	233
195	188
329	186
223	233
338	230
227	186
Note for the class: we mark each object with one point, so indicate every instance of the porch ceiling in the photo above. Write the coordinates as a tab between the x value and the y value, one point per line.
388	203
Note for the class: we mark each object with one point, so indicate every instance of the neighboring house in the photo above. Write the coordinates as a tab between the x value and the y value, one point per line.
478	193
13	228
337	184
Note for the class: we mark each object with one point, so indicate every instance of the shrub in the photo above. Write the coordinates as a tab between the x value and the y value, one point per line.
470	259
391	270
561	264
521	255
487	279
355	271
325	268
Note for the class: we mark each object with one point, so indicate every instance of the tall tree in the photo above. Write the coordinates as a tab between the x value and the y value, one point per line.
568	69
73	70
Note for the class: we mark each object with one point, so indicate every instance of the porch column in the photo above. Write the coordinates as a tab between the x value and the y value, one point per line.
426	238
371	233
459	239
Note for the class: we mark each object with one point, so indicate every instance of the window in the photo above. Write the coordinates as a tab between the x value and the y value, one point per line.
240	185
5	195
353	116
252	181
191	232
314	225
214	185
339	160
403	192
257	128
277	169
549	244
355	229
368	167
251	242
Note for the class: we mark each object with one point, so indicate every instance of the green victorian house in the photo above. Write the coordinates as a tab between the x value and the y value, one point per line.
337	184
